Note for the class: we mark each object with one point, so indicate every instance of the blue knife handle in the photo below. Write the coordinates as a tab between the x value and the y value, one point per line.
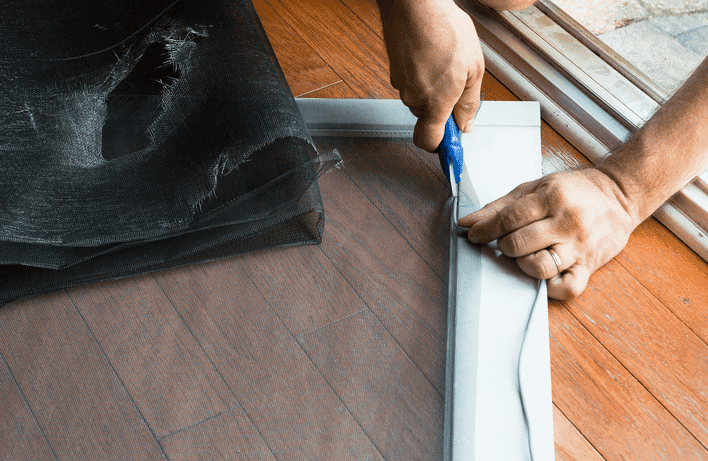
451	148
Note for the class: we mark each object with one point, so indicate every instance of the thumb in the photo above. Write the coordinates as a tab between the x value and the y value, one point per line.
467	105
428	132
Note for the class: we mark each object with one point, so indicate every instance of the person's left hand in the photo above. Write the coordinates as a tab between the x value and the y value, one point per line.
582	216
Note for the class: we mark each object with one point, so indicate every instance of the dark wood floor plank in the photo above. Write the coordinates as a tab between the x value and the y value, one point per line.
393	280
612	410
21	438
410	192
302	286
343	41
389	396
295	410
226	437
163	368
653	256
305	71
650	341
368	12
570	443
79	402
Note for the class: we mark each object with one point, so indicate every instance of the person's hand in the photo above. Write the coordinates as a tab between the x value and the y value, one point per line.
582	216
436	64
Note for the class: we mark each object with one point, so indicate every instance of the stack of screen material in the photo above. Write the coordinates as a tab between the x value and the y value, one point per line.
136	136
498	379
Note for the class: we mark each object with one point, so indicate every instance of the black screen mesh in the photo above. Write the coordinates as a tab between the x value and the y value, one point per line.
136	136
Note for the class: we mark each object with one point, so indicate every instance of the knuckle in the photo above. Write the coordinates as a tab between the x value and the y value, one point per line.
558	193
408	98
512	245
467	106
508	219
575	223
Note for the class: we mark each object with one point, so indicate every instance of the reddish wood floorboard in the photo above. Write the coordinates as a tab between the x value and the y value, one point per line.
394	281
650	341
21	438
570	443
294	408
652	256
612	410
302	286
225	437
346	44
395	404
172	381
77	399
367	12
306	71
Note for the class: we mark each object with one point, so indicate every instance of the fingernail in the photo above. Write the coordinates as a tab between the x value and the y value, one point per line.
469	126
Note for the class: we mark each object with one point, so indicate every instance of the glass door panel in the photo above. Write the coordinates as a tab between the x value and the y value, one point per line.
664	39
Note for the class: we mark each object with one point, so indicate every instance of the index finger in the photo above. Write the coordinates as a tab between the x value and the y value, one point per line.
491	208
506	215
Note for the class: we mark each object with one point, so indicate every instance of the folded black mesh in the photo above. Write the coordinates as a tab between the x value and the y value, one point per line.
136	136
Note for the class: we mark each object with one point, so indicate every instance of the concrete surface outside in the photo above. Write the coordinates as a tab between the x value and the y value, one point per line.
665	39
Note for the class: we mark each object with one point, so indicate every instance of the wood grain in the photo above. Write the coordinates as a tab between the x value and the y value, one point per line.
308	298
163	368
228	436
305	71
21	438
395	404
336	90
407	190
368	12
570	443
384	270
79	402
650	341
653	256
358	55
612	410
295	410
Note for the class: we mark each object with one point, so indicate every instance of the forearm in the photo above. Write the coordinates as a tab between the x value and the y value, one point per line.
418	10
666	153
385	5
504	5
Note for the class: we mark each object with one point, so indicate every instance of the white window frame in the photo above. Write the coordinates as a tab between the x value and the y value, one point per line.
588	93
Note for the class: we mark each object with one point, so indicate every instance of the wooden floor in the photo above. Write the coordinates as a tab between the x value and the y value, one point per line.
335	352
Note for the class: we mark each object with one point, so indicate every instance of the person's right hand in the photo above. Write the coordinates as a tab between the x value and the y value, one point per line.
436	64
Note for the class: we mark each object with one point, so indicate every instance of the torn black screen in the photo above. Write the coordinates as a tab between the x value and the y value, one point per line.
137	136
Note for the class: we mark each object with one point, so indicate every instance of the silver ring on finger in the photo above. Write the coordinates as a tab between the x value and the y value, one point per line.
556	258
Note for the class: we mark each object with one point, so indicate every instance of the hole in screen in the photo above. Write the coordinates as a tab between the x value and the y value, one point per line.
136	102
